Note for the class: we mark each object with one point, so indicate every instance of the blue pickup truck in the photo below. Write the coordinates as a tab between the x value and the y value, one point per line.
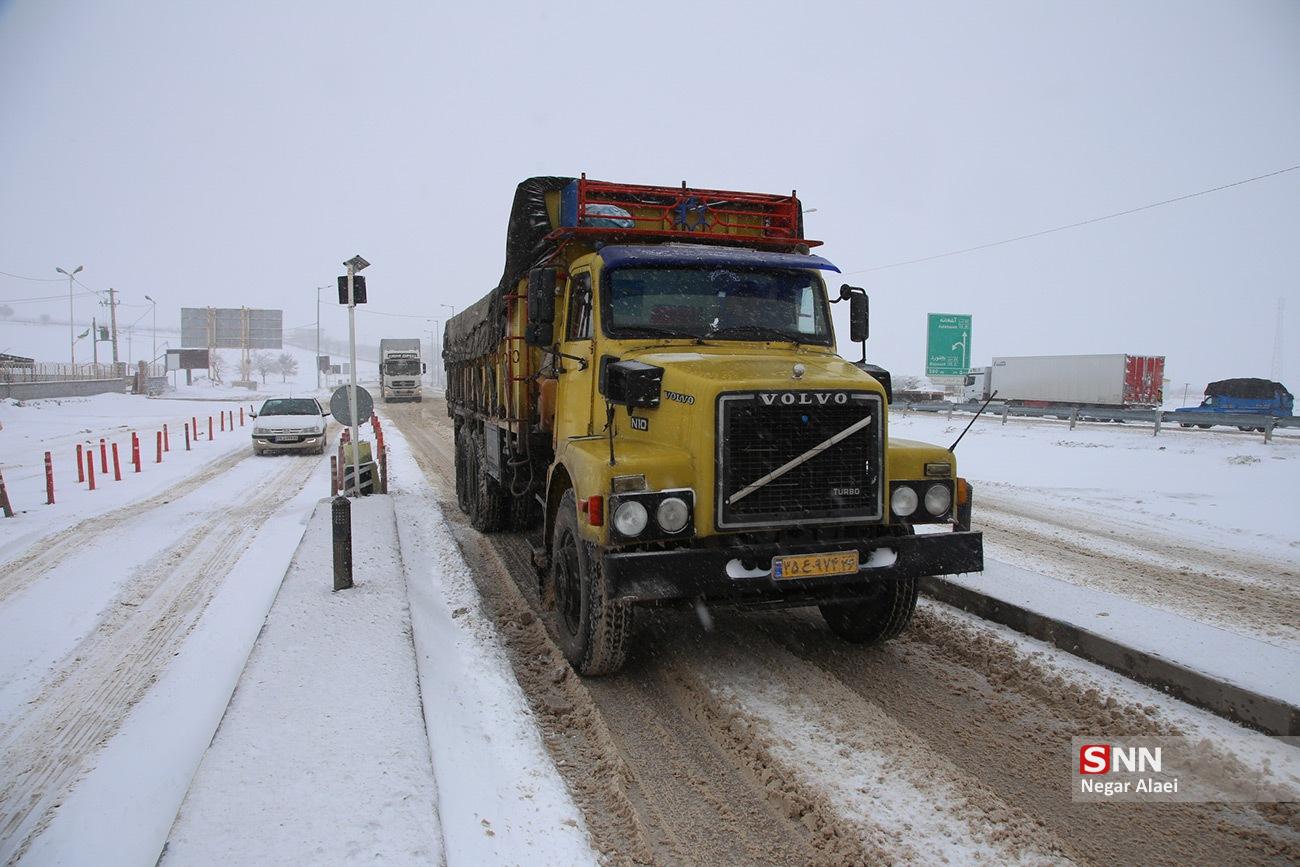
1245	396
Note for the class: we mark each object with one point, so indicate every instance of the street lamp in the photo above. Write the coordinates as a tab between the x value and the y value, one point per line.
451	307
155	329
72	339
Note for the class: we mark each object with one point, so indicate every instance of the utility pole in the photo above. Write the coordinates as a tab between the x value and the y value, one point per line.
318	291
155	328
112	319
94	341
72	337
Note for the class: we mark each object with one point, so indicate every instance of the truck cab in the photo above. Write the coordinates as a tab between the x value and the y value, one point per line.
690	434
400	369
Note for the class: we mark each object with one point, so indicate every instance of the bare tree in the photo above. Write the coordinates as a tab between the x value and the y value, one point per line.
216	366
287	365
907	383
264	363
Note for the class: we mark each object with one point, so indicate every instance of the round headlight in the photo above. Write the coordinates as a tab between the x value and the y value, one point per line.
672	515
937	499
903	501
630	518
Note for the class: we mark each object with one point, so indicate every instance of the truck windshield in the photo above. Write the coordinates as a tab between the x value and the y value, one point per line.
724	303
402	367
290	406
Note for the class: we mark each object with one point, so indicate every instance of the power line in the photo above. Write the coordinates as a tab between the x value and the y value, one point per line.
63	297
1088	222
395	315
33	279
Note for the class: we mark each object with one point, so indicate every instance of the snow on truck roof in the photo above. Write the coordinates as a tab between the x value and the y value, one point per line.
701	254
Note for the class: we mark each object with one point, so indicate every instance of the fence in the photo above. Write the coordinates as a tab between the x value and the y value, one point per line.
42	371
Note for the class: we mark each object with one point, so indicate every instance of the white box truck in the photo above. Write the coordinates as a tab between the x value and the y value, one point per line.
400	368
1115	381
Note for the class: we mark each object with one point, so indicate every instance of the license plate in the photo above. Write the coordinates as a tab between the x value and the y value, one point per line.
286	439
814	565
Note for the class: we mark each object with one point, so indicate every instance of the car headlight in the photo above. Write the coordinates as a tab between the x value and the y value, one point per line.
631	518
259	432
938	499
903	501
672	515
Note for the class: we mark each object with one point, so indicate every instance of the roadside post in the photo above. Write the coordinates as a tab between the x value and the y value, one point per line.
187	436
167	443
117	465
81	470
49	479
348	291
90	469
103	457
135	450
158	460
341	522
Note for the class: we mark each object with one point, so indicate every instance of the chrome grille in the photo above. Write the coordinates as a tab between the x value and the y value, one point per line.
760	432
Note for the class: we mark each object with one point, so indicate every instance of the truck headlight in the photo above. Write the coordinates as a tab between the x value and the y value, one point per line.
630	518
903	501
938	499
672	515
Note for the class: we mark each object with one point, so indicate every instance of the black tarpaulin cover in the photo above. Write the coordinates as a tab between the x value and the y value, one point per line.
481	327
1259	389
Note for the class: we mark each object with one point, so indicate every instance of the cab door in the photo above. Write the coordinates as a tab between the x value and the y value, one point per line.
575	389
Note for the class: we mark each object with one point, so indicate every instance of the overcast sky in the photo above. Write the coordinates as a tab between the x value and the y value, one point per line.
235	153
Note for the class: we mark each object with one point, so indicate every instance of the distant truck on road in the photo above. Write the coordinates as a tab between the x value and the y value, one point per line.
400	368
1244	396
1115	381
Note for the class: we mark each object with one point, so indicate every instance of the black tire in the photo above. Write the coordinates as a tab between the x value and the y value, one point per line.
491	503
1185	424
879	617
462	470
1205	426
592	630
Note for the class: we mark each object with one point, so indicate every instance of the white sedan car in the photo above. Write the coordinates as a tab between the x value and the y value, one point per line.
290	424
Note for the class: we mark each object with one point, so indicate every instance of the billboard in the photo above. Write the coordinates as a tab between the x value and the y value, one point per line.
232	328
947	344
187	359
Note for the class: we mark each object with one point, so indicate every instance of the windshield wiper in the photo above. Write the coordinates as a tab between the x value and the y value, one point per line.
661	332
756	330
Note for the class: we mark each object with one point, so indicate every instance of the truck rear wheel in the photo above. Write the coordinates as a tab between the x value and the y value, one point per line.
462	471
592	629
878	617
490	503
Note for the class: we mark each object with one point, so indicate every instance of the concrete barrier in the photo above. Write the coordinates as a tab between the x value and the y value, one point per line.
63	388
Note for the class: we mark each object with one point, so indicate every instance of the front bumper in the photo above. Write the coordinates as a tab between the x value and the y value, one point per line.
305	443
720	574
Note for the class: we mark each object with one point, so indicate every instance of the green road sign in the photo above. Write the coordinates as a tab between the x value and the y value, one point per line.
947	344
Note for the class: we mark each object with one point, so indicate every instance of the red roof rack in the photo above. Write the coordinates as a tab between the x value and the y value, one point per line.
609	210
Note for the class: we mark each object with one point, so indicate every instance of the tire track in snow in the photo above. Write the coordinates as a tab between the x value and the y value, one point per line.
83	705
46	554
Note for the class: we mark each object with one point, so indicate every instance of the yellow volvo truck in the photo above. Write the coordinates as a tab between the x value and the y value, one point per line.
653	388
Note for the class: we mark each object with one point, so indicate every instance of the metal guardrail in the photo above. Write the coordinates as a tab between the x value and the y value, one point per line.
1265	424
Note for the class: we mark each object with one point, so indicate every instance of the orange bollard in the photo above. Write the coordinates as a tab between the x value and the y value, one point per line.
103	456
49	480
241	416
194	426
90	469
209	428
117	466
159	460
167	442
81	470
223	421
135	450
187	436
334	475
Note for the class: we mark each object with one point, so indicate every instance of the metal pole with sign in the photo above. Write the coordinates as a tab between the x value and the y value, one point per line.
355	264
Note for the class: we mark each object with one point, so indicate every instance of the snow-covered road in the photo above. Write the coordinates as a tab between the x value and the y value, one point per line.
99	616
951	743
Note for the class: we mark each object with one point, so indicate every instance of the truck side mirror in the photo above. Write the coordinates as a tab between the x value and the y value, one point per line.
424	368
859	317
541	307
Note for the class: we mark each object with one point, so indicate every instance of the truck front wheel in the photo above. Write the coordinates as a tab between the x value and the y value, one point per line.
879	617
591	629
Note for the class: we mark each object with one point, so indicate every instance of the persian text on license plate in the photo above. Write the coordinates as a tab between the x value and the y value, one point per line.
286	439
815	565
